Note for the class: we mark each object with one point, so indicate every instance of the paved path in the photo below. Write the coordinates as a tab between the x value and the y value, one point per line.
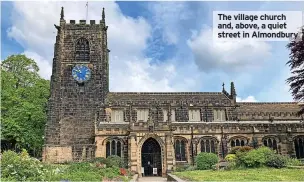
152	179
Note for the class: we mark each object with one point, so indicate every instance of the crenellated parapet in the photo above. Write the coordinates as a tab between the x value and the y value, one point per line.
85	22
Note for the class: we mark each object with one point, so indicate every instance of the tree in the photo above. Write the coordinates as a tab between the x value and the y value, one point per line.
24	99
296	64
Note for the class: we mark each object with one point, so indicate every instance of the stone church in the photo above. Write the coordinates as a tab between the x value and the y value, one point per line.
149	130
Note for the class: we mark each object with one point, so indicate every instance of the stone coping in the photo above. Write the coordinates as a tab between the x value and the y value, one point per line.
241	122
259	103
213	122
173	178
165	93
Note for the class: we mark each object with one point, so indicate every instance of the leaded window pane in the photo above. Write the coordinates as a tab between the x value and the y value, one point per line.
108	149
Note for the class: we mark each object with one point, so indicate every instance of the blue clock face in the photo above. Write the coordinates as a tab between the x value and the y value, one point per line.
81	73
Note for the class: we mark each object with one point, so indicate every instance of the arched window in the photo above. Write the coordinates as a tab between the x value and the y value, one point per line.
118	148
183	150
208	145
108	146
113	147
271	143
238	142
232	143
212	146
299	146
242	143
203	146
180	150
265	142
82	50
274	144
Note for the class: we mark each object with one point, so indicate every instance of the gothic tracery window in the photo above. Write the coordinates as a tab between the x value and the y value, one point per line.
238	142
82	50
180	150
113	147
208	145
299	146
271	143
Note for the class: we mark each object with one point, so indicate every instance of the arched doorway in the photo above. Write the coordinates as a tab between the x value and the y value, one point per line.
151	157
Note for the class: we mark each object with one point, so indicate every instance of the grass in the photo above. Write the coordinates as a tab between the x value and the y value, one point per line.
259	174
80	172
83	172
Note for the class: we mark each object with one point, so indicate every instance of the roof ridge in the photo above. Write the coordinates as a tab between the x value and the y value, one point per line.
256	103
166	93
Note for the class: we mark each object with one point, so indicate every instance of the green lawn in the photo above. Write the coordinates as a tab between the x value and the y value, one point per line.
260	174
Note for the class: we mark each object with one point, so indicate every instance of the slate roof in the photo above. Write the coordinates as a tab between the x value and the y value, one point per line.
264	110
168	97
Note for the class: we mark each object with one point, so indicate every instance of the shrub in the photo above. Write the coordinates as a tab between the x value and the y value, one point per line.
191	168
245	149
123	171
80	166
115	161
21	167
255	158
236	149
230	158
206	160
100	165
231	165
181	168
293	162
240	159
101	160
276	161
110	173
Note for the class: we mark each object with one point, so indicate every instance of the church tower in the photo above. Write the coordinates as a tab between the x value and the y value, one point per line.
79	85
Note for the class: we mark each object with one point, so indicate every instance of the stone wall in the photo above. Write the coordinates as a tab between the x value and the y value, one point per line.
74	107
57	154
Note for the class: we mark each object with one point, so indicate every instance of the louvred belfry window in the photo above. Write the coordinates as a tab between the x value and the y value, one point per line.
82	50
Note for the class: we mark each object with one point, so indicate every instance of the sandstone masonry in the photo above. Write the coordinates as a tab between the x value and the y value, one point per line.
87	121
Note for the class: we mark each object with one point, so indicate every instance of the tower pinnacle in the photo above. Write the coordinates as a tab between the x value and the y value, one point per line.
232	91
103	14
62	14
